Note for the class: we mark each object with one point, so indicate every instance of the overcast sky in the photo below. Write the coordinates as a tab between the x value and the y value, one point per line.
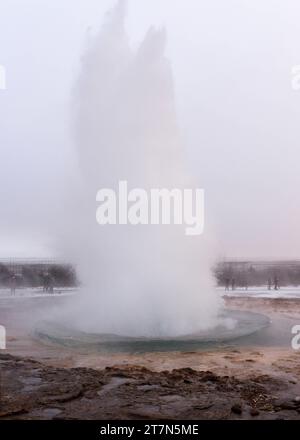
238	114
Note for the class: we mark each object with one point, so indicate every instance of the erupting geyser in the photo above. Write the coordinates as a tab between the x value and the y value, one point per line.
136	280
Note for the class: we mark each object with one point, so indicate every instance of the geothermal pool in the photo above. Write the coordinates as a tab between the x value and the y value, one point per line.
234	324
46	318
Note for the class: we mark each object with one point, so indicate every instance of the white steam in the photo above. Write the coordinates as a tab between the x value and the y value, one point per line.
137	280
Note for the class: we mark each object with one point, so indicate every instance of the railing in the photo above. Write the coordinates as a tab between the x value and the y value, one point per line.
31	262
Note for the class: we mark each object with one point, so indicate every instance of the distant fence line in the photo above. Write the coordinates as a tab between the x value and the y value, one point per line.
35	272
261	263
242	272
258	272
31	261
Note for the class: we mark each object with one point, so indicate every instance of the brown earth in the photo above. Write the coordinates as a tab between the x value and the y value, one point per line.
43	381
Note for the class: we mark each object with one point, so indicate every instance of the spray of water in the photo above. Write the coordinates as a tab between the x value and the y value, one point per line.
136	280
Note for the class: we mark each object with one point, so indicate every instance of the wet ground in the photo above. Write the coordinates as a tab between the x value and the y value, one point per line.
31	390
258	378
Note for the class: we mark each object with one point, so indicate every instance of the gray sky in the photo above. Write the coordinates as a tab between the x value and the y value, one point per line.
238	113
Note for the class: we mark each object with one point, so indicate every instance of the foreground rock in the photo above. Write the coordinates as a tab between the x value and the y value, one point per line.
32	390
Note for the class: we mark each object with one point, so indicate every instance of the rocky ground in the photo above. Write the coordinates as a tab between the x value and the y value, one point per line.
32	390
40	381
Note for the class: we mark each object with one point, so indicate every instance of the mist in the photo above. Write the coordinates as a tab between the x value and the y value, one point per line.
237	113
140	280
